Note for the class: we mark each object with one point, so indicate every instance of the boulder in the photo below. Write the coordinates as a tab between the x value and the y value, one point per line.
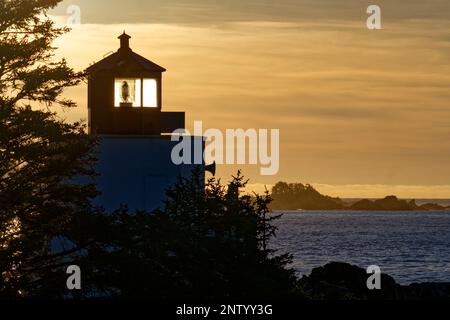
342	281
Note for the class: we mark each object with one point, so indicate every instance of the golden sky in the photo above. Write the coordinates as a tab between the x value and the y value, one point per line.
362	113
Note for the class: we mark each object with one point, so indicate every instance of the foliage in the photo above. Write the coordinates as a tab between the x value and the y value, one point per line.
208	242
39	154
294	196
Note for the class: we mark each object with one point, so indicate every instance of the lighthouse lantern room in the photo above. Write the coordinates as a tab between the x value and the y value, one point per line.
125	95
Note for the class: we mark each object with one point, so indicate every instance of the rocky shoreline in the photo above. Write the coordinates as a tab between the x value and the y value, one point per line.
342	281
298	196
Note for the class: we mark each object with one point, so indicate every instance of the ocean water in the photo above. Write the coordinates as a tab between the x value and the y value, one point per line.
409	246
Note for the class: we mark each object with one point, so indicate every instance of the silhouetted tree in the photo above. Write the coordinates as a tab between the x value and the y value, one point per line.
293	196
207	242
39	154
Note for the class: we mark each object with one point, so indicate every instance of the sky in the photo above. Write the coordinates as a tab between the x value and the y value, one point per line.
361	113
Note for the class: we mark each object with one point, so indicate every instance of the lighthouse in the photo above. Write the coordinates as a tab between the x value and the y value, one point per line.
125	106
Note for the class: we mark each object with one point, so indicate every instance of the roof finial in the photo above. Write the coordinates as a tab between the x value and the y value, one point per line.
124	41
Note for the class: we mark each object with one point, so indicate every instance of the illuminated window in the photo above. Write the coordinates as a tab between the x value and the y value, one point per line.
150	93
127	93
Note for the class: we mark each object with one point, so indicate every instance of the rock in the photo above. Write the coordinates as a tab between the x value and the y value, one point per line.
431	207
427	291
392	203
363	205
342	281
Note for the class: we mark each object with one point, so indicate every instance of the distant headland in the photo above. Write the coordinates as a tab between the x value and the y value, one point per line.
298	196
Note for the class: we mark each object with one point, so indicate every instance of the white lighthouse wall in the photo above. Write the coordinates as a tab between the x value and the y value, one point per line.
137	171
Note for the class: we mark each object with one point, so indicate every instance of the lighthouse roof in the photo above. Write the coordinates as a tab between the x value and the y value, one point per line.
125	59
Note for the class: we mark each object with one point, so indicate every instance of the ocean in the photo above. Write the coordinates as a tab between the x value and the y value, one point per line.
410	246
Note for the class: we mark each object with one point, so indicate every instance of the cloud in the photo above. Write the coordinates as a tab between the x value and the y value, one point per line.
222	11
353	106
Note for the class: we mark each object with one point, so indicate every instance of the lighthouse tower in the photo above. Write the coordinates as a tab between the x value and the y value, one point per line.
125	110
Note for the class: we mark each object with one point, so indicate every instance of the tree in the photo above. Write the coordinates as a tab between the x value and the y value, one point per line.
40	155
294	196
208	242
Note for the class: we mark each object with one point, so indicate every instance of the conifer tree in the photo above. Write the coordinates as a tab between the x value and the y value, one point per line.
40	155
